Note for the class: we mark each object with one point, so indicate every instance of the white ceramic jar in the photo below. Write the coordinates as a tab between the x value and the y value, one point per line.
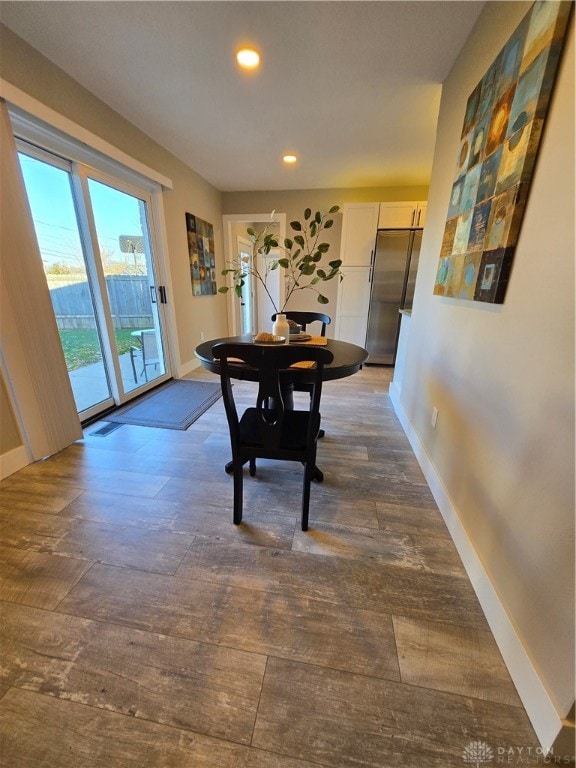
281	327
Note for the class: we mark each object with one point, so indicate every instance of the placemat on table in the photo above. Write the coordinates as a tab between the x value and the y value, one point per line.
315	341
301	364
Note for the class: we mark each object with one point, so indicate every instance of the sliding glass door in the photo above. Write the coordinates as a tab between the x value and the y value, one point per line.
127	266
97	250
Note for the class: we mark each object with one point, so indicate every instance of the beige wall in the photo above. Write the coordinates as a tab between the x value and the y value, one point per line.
294	202
24	67
502	377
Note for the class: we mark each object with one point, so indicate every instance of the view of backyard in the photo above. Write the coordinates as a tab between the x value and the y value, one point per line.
81	346
103	283
72	302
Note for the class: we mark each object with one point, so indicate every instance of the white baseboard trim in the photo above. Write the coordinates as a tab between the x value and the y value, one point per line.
12	461
543	715
188	367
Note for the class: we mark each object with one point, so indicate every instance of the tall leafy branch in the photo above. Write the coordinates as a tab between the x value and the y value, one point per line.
302	259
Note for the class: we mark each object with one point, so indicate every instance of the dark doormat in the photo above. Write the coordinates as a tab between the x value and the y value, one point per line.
174	405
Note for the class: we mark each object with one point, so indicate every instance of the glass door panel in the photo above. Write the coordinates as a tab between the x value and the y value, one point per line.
122	231
50	196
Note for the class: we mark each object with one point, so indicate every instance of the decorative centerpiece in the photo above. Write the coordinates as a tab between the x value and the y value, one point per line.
302	261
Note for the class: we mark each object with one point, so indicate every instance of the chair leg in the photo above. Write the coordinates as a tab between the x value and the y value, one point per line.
321	432
309	469
317	474
238	491
133	366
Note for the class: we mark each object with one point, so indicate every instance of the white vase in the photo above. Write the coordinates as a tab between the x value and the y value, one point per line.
281	327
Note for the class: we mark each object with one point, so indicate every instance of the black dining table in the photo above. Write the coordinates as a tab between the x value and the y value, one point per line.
348	359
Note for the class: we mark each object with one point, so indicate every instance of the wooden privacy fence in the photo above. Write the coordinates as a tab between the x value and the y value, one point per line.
129	297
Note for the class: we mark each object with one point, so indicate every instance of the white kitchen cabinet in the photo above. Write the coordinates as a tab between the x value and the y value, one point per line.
402	215
353	303
359	225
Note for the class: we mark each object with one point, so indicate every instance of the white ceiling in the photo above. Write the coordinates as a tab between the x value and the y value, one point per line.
352	88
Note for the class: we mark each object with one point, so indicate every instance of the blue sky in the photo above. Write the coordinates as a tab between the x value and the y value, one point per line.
49	193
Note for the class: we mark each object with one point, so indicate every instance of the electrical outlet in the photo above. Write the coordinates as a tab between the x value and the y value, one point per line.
434	417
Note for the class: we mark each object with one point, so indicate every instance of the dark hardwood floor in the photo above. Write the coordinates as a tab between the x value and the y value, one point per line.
141	628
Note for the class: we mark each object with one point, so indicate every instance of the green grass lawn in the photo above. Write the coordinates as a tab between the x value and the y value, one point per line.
81	345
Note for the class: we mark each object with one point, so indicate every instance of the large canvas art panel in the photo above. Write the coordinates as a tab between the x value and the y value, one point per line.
503	125
201	256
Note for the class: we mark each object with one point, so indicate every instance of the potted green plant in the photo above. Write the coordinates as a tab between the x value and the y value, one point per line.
302	259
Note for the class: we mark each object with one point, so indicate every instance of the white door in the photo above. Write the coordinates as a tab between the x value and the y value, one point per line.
262	308
246	305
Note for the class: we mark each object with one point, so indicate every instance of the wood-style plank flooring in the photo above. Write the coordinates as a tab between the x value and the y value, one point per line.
141	628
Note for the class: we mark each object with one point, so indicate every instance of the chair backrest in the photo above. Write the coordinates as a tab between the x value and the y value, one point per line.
272	363
304	318
149	346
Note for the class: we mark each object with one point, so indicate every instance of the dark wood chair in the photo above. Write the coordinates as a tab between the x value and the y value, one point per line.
304	319
273	432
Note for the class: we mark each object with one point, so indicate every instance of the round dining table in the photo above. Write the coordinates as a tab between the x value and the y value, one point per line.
348	359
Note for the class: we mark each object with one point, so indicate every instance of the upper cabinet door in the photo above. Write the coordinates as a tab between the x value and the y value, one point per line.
421	215
359	225
402	215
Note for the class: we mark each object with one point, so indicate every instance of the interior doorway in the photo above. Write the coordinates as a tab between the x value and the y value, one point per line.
261	309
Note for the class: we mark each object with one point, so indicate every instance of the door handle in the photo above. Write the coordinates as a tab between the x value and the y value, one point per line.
162	292
153	294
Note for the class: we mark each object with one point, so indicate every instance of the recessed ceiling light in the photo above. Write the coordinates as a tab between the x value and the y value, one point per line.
248	58
289	159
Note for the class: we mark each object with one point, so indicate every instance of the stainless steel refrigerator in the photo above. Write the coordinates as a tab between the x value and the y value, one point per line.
394	268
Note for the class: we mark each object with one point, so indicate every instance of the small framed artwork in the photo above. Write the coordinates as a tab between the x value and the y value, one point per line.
503	124
200	236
